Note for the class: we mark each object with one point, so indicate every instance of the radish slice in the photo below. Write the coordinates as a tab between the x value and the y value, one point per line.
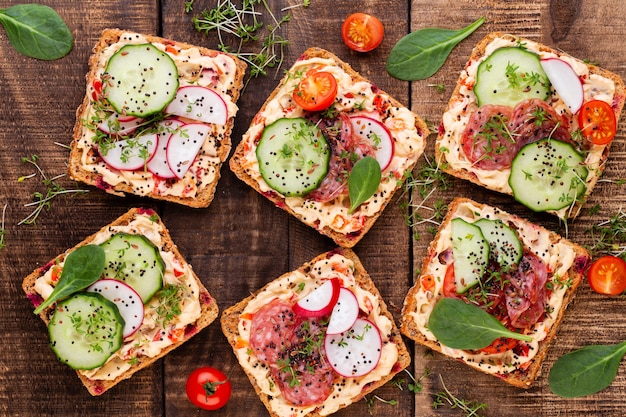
345	312
376	134
158	164
184	145
128	302
356	351
565	81
131	154
320	301
119	125
199	103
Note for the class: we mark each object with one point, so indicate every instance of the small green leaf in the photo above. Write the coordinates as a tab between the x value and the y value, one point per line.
363	181
459	325
82	267
37	31
586	371
420	54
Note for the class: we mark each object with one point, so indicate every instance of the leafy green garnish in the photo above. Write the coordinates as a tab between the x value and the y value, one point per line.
459	325
586	371
471	408
420	54
82	267
363	181
37	31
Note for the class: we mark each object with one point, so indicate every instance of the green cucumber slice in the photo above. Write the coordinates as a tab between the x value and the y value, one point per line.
504	244
510	75
85	330
548	175
140	80
136	261
470	251
293	156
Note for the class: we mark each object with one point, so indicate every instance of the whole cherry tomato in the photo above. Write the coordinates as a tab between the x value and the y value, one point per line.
208	388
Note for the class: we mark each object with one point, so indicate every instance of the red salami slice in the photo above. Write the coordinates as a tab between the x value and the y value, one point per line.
486	140
271	327
535	120
526	294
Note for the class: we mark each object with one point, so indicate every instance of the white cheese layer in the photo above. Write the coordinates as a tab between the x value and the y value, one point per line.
295	285
153	335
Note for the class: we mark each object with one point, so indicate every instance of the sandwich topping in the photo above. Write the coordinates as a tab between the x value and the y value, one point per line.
359	122
508	267
159	129
313	340
516	94
166	287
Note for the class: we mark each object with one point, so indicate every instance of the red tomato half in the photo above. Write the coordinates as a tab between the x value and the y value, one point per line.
607	275
362	32
208	388
597	122
449	286
316	91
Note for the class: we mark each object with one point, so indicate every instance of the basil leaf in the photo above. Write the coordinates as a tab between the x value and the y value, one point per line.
586	371
420	54
37	31
459	325
82	267
363	181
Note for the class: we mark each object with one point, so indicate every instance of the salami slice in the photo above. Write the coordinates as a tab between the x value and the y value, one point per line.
526	293
271	328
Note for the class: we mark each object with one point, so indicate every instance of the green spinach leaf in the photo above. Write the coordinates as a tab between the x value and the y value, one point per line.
363	181
420	54
465	326
82	267
37	31
586	371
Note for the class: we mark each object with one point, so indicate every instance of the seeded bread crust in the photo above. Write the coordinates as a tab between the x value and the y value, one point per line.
78	172
230	319
346	240
520	378
479	52
209	308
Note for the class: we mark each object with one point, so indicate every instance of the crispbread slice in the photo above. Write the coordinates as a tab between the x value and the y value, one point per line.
231	317
335	222
143	183
463	103
208	307
438	260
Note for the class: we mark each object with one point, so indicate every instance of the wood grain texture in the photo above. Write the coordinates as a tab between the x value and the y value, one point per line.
242	241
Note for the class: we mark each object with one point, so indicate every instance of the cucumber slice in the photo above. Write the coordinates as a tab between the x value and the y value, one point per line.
136	261
141	80
504	244
548	175
470	251
509	76
85	330
293	156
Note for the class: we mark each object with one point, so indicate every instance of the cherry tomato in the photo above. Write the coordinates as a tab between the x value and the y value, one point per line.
449	286
208	388
316	91
607	275
362	32
597	122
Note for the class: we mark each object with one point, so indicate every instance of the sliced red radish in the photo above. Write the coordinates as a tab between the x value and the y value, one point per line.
199	103
128	302
158	164
565	81
375	134
131	154
119	125
356	351
320	301
345	312
184	145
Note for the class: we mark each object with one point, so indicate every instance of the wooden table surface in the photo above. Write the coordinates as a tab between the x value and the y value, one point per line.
242	241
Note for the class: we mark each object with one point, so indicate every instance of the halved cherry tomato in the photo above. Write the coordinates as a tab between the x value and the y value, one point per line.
208	388
597	122
362	32
607	275
316	91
